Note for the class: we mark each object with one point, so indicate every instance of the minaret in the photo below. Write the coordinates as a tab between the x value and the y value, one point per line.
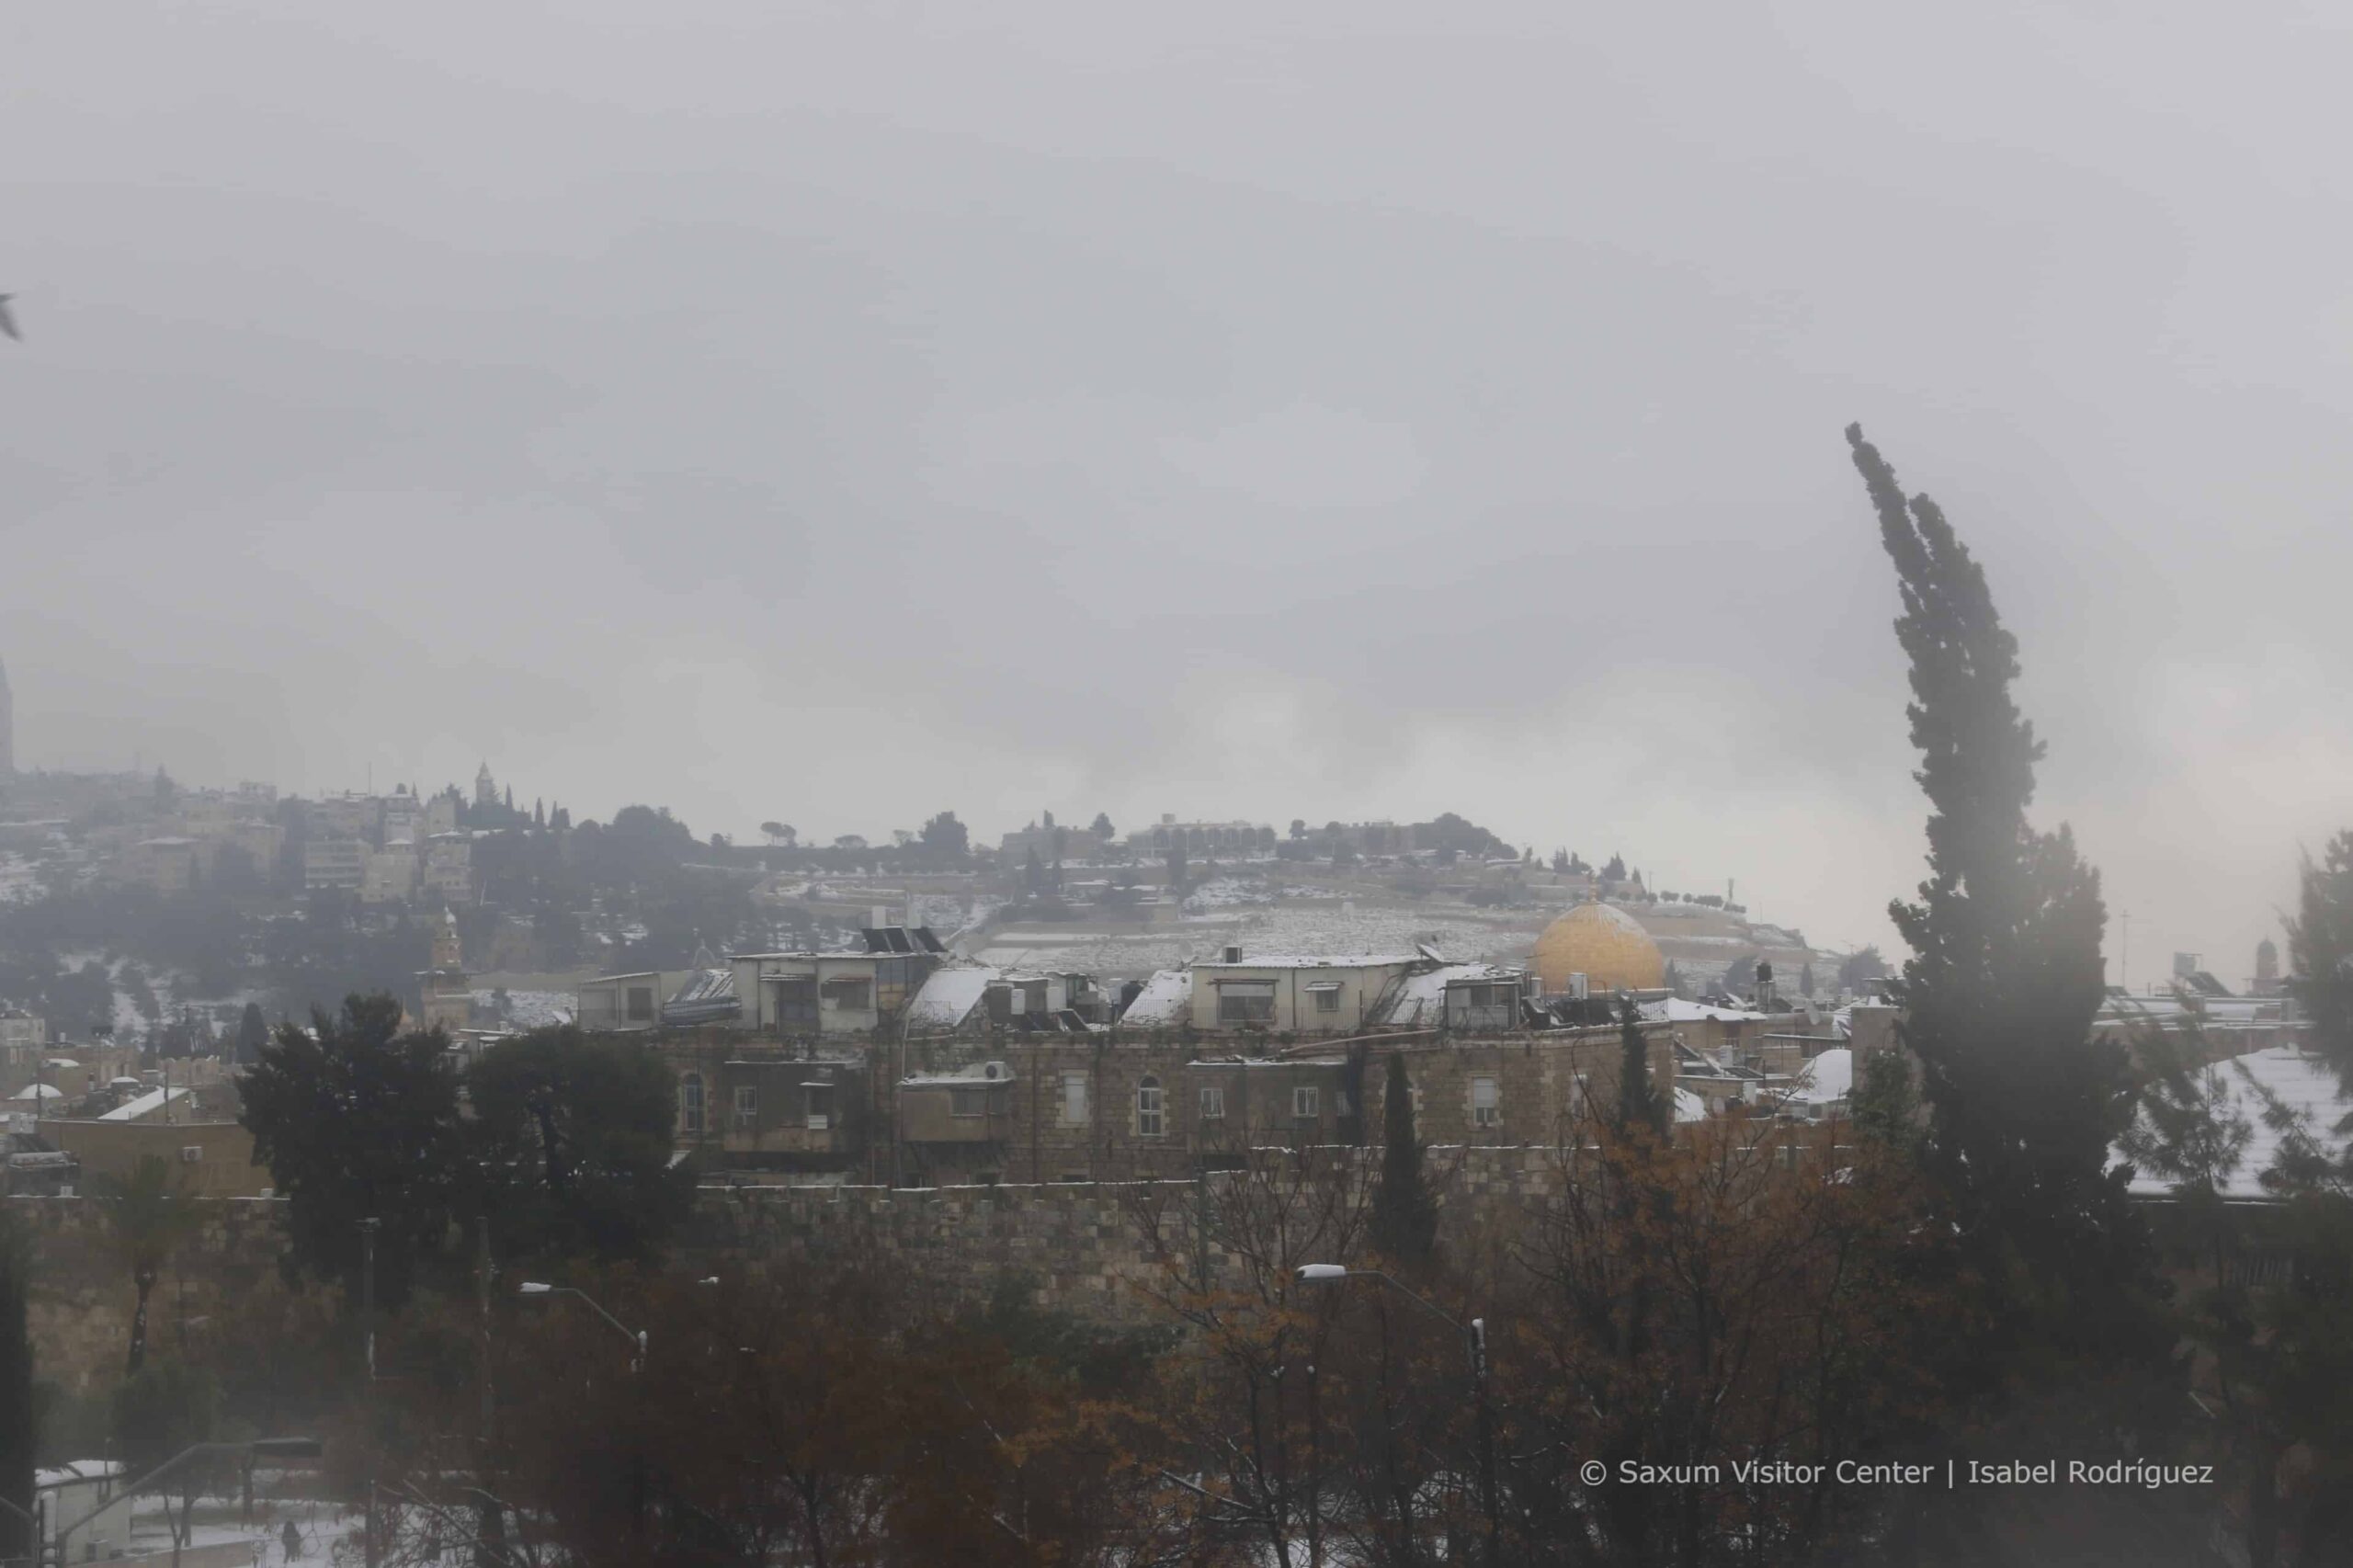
7	727
486	788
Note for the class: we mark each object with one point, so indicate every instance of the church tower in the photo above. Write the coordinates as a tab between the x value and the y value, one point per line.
7	727
486	788
449	1000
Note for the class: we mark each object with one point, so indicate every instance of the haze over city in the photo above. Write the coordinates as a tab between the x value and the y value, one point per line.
1348	413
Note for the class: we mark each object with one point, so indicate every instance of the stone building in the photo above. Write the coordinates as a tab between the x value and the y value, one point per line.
446	998
750	1107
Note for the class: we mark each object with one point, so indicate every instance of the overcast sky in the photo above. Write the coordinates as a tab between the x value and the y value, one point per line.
841	413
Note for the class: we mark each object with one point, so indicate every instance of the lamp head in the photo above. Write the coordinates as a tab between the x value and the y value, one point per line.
1313	1272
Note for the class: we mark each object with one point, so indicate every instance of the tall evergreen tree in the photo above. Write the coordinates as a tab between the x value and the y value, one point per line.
1405	1210
2320	949
2006	973
19	1432
252	1033
1640	1101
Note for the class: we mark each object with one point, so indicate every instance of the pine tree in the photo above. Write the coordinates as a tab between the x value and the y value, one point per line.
1640	1103
1405	1210
2006	973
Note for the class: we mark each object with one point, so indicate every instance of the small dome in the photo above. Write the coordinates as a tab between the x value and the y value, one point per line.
1605	945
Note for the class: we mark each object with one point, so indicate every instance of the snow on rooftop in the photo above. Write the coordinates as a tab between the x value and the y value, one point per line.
2303	1084
1166	999
1675	1010
949	996
77	1469
43	1092
1827	1078
1307	960
1690	1106
151	1101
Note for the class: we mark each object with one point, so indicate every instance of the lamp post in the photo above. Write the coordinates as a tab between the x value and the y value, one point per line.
537	1289
636	1337
1474	1343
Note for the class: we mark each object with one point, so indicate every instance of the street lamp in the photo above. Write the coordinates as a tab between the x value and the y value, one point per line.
634	1335
1475	1341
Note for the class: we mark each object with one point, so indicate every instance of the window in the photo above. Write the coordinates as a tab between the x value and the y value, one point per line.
1327	997
1150	1113
747	1108
1306	1102
1246	1002
1484	1103
1073	1099
796	1000
641	1004
1213	1104
847	995
819	1116
690	1104
968	1102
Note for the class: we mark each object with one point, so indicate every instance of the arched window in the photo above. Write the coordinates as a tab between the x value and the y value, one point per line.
1150	1108
691	1102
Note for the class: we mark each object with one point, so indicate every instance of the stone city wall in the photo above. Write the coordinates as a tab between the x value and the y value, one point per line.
83	1300
1092	1249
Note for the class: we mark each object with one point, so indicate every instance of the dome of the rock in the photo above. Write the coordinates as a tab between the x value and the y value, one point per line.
1607	945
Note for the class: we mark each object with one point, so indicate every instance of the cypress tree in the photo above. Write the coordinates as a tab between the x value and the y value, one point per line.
252	1033
2320	946
19	1435
1405	1210
1639	1104
2006	975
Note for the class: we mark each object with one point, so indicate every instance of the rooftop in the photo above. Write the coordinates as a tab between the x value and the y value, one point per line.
2311	1104
151	1101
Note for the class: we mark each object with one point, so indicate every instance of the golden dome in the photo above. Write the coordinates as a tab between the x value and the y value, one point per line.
1607	945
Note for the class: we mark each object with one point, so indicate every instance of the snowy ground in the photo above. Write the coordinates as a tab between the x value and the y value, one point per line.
20	880
1273	928
327	1533
531	1009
